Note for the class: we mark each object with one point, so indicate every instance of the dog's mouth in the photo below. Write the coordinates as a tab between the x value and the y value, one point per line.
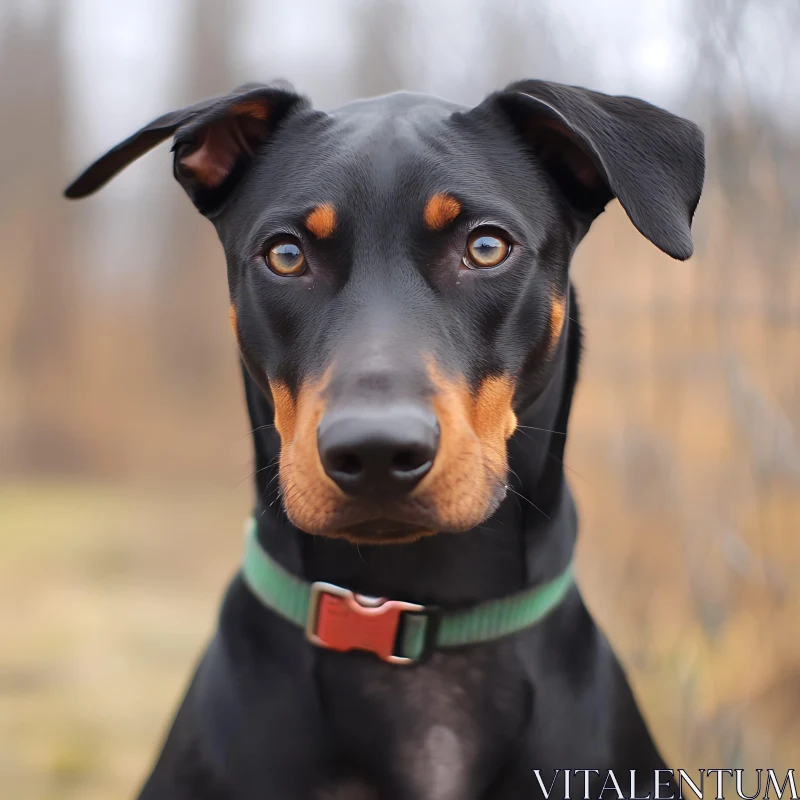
381	531
402	521
410	523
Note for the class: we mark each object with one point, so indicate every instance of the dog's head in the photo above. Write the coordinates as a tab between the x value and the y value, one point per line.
398	273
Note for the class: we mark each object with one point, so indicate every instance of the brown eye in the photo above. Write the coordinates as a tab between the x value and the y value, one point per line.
286	258
485	250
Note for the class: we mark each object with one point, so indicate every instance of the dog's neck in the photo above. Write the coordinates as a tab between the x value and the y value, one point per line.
530	538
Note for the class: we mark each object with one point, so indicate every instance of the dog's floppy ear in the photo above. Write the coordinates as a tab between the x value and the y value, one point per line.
214	141
596	146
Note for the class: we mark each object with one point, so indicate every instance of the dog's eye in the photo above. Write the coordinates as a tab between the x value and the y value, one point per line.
286	258
485	250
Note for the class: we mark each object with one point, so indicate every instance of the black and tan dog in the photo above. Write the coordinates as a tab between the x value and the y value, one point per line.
400	293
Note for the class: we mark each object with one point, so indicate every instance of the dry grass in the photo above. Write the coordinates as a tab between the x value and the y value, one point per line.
106	599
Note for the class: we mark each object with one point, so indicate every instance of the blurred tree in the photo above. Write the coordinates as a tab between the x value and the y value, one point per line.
34	164
380	58
520	42
191	280
752	159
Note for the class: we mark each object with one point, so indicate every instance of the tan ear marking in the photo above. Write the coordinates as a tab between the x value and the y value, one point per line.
252	108
440	211
322	221
212	161
224	141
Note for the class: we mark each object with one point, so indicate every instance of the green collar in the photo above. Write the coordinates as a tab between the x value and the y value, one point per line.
396	631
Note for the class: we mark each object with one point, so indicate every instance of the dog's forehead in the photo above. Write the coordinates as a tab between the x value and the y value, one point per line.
398	143
395	114
389	154
379	168
389	138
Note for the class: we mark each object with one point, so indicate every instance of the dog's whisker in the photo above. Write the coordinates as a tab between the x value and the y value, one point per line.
256	430
543	430
248	477
567	466
526	499
256	472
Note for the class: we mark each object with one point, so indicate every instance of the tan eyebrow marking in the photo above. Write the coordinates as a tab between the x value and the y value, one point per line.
440	211
322	221
558	311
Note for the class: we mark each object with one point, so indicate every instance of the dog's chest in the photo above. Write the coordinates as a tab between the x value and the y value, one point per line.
433	767
437	731
435	762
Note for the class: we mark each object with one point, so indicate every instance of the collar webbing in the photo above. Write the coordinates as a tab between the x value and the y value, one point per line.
420	631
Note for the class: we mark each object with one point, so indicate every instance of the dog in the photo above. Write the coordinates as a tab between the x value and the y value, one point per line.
405	624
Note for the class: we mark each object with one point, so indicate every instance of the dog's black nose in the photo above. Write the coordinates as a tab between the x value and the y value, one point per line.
383	453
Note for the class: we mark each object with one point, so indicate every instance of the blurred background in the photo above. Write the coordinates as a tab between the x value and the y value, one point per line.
122	423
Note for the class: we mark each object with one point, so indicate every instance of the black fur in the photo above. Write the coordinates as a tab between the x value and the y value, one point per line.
267	714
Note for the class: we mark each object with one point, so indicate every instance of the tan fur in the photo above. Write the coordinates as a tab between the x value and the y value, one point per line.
252	108
440	211
493	418
558	312
213	160
310	497
462	488
206	168
234	320
285	411
322	221
471	461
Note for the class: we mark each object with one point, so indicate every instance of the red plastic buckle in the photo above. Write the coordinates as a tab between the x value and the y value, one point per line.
341	620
